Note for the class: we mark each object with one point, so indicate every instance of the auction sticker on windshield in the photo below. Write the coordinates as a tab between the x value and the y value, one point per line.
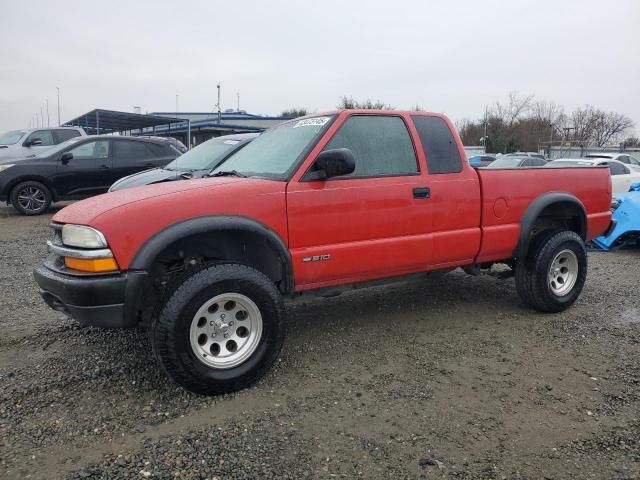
312	122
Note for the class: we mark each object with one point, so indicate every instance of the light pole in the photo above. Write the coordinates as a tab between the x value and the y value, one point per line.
219	112
48	118
58	88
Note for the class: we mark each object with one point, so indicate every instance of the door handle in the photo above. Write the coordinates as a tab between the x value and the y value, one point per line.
421	192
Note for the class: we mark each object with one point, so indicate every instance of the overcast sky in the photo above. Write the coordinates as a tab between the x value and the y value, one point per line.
447	56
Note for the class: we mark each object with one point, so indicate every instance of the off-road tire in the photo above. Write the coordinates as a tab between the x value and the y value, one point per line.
44	197
532	271
170	337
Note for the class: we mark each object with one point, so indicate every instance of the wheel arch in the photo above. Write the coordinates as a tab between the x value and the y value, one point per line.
30	178
551	210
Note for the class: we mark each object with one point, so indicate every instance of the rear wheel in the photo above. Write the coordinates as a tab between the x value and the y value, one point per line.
221	330
30	198
552	275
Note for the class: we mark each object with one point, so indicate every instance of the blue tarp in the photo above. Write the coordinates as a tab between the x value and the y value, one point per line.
627	220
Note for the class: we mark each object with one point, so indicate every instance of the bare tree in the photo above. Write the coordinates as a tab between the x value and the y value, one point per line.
595	127
349	103
295	112
631	142
515	107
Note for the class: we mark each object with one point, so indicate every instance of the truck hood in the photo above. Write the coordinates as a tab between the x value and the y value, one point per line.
86	211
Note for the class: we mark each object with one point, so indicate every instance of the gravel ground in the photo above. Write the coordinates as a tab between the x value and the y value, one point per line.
447	377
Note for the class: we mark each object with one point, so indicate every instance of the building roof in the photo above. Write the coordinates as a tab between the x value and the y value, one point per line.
109	121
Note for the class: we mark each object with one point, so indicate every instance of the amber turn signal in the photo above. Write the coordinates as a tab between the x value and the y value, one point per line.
95	265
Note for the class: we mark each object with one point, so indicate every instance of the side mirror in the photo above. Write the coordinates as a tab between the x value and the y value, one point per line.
333	163
34	142
64	159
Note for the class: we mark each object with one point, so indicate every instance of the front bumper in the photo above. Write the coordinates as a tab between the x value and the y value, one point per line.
96	300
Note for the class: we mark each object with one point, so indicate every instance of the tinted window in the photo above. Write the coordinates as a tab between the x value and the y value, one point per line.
97	149
539	162
132	150
633	160
623	159
527	163
380	145
44	135
162	150
616	168
439	145
65	134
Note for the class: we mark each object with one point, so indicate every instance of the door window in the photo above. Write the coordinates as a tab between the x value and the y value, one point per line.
381	146
65	134
43	135
96	149
132	151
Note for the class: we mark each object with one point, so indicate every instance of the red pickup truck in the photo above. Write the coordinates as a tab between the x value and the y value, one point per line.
316	203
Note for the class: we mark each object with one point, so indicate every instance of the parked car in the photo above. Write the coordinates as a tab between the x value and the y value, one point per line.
196	163
177	144
77	168
315	204
622	177
481	160
625	158
513	161
30	142
525	154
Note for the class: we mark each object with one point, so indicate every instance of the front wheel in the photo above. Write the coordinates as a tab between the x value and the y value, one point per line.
221	329
552	275
30	198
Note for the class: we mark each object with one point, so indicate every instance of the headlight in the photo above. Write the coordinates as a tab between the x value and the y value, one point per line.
5	166
83	237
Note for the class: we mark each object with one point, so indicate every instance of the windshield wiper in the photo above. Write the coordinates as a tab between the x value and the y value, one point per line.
228	173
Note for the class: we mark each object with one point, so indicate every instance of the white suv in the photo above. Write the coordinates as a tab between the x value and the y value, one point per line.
28	142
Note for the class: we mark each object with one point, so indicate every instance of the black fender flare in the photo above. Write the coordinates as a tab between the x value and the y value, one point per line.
150	249
534	210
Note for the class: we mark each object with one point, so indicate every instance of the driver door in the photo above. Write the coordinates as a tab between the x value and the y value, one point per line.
371	223
88	173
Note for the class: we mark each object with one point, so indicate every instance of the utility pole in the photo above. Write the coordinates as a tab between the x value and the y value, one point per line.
238	95
219	112
58	88
41	115
48	117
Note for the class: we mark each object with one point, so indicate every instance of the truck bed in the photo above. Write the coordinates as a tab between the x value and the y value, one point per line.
506	194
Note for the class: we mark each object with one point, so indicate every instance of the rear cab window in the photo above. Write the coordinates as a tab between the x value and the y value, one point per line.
438	142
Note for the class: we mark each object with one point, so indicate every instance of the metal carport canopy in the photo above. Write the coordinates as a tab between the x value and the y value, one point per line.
100	121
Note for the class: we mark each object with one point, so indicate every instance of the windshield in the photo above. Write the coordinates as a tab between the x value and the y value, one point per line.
59	147
12	137
205	156
275	153
508	162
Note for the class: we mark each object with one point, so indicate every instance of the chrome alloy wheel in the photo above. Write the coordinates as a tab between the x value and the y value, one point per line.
32	199
226	330
563	272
